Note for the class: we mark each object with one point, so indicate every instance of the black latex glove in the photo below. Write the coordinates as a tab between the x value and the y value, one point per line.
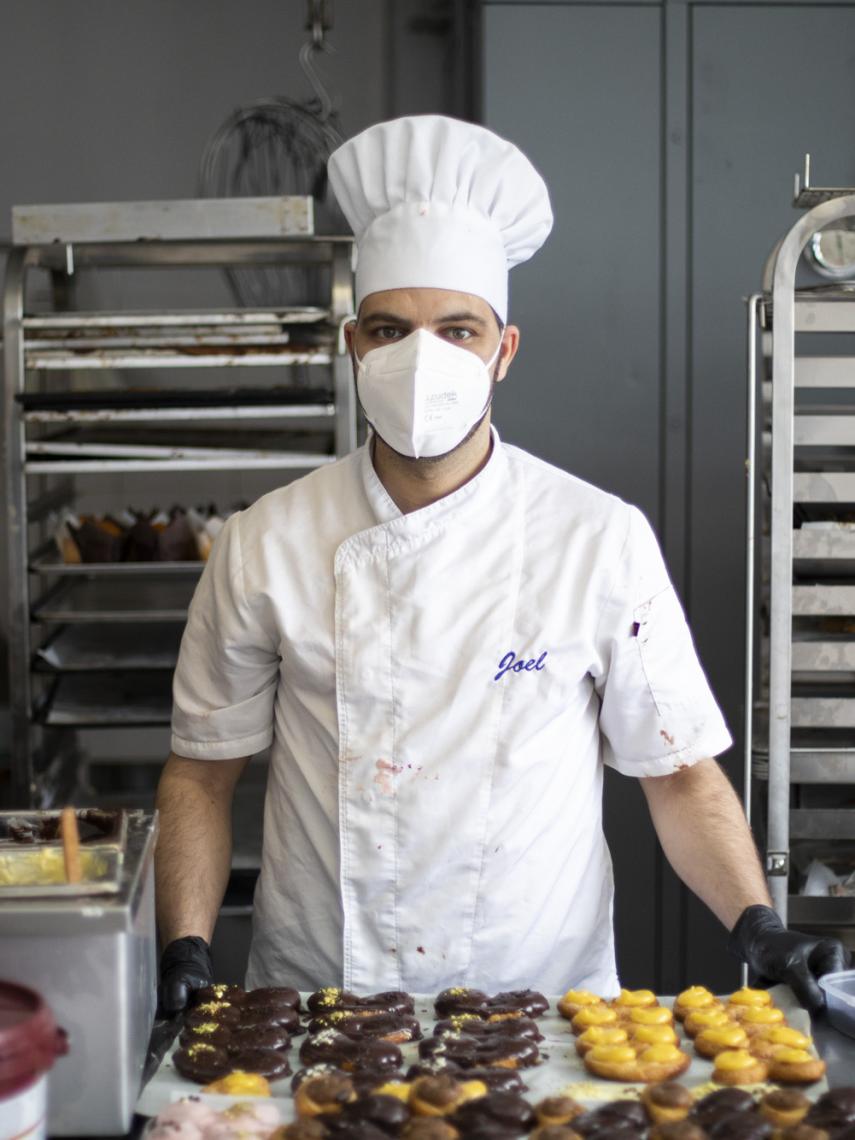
775	954
185	966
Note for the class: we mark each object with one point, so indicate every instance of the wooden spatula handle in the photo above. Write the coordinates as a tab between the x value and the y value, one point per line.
70	845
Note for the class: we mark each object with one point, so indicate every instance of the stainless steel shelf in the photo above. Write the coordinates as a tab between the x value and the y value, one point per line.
820	766
116	600
47	561
824	487
824	372
176	319
291	461
197	415
818	544
824	431
823	712
105	648
822	823
117	699
824	600
67	359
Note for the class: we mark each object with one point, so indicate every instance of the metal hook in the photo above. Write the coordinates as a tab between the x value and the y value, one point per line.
318	21
307	53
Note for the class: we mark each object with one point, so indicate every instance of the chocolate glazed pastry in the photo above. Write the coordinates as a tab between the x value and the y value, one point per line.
301	1130
262	1017
833	1109
459	999
474	1027
742	1126
331	997
805	1132
223	1012
210	1031
385	1112
271	1037
496	1115
554	1132
221	991
472	1052
496	1080
202	1062
343	1051
274	996
352	1129
397	1027
722	1102
269	1063
529	1002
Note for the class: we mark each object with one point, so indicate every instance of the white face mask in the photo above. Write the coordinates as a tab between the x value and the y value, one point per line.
423	395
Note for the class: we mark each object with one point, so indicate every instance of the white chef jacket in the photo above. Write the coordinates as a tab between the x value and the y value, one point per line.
441	690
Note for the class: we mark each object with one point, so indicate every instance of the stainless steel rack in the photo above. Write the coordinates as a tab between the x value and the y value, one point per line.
800	732
94	644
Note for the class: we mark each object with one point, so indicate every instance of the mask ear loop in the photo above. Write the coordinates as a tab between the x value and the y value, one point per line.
341	342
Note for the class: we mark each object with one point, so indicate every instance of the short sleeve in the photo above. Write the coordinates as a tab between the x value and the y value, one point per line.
228	667
657	712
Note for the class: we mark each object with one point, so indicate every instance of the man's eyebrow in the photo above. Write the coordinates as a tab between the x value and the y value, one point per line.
387	318
463	317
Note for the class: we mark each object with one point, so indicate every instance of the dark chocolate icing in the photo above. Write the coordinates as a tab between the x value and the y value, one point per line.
397	1027
307	1129
670	1094
740	1126
223	1012
318	1070
555	1132
269	1063
211	1031
476	1027
275	996
258	1017
352	1129
269	1037
786	1100
328	1089
331	998
202	1062
220	991
530	1002
496	1079
386	1112
804	1132
496	1110
471	1052
343	1051
721	1103
459	999
558	1108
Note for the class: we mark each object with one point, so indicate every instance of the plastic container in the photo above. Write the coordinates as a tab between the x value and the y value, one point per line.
30	1042
839	992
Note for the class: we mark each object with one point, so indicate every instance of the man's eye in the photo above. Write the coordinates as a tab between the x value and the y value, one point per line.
457	333
386	332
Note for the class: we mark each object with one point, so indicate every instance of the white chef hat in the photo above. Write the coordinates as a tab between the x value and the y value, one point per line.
438	203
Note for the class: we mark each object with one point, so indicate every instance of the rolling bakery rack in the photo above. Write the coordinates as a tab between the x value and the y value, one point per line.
800	734
93	395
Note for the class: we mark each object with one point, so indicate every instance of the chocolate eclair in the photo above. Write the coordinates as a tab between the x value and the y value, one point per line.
474	1026
222	1012
343	1051
529	1002
211	1031
721	1103
274	996
264	1016
387	1113
397	1027
220	991
459	999
474	1052
263	1037
496	1079
331	997
202	1062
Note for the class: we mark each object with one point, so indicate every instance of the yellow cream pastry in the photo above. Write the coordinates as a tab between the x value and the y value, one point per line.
739	1067
600	1035
593	1015
719	1038
649	1015
695	997
633	999
754	1018
653	1034
700	1019
574	1000
764	1043
795	1066
747	996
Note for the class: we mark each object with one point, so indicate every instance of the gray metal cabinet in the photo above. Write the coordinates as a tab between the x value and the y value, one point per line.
668	132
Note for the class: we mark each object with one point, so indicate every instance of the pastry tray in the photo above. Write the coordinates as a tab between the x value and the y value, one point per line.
561	1069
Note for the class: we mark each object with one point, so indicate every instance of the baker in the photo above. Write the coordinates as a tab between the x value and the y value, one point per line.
443	639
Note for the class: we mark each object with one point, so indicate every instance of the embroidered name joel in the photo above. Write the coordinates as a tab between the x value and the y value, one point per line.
510	663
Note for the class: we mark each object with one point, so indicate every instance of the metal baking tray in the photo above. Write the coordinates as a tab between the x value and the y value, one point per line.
561	1071
31	857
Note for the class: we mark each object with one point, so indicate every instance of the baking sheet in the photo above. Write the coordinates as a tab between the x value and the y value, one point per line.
561	1071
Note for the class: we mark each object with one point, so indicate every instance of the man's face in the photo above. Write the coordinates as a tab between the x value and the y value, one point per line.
462	319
